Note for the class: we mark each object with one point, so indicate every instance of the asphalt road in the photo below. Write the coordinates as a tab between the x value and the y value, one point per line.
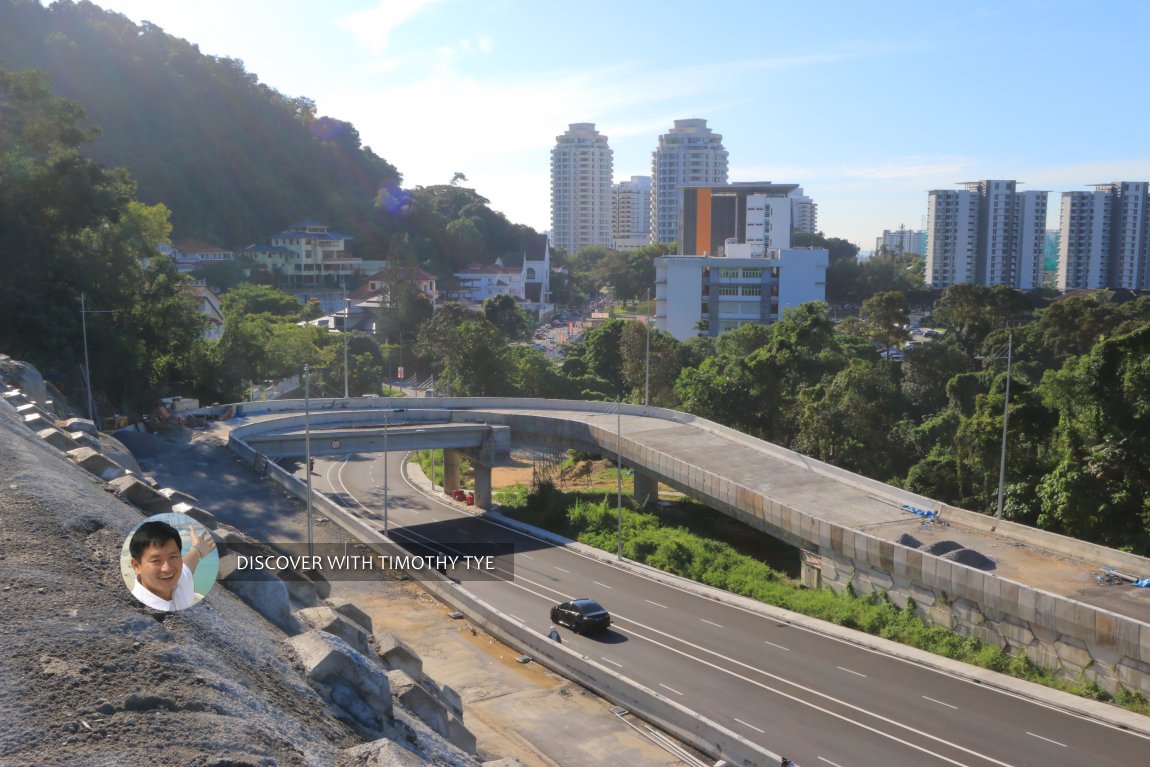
811	696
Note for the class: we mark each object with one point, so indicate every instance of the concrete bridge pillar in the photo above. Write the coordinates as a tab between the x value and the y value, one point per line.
482	486
646	488
450	471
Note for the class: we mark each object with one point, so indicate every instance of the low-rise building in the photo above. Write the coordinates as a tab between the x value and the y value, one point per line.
190	255
209	305
702	295
308	254
477	283
377	284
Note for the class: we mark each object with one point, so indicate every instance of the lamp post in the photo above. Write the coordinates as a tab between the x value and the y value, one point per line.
1005	418
307	452
346	320
386	534
1005	422
647	366
619	474
84	312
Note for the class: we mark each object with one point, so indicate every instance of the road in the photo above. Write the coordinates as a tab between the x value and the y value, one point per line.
816	698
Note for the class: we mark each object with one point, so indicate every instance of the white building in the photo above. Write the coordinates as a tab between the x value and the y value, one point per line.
698	295
1104	237
901	240
308	253
191	255
988	234
804	213
691	154
631	213
477	283
581	175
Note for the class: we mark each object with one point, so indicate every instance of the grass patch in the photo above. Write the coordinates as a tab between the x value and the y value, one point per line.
431	461
593	519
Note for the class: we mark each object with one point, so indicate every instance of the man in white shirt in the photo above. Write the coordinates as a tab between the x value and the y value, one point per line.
164	578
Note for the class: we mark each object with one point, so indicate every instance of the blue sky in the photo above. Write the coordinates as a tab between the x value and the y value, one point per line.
866	105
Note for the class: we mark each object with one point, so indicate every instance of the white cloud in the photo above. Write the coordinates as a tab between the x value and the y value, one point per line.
373	27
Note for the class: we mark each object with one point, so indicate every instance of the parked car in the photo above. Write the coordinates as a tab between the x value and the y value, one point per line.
931	333
581	616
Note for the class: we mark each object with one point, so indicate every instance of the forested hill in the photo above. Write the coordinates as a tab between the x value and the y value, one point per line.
234	160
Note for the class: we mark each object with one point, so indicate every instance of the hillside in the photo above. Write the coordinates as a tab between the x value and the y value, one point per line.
234	159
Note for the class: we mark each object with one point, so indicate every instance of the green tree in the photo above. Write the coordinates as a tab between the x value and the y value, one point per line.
886	317
504	313
246	299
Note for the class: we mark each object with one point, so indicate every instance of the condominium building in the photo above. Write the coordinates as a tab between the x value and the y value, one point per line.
697	295
1104	237
691	154
631	213
581	176
988	234
901	240
757	214
804	213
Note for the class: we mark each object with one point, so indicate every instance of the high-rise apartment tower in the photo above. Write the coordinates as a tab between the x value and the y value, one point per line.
1104	238
631	213
988	234
691	154
581	176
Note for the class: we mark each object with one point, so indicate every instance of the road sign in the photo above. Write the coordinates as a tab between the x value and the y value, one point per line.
335	444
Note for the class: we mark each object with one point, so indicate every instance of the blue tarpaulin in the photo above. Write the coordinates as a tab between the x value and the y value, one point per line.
919	512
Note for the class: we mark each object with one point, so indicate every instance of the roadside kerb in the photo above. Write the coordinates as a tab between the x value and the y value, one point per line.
1092	709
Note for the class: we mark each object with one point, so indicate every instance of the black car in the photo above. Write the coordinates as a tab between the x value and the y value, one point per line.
582	616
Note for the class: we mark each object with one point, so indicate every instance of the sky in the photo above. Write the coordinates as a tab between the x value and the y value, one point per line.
867	106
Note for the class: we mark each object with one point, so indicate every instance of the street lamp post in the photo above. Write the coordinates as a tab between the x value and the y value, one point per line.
84	312
647	366
386	534
1005	422
1005	418
346	320
307	452
619	474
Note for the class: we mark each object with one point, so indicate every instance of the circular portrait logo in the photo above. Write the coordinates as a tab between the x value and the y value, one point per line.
169	561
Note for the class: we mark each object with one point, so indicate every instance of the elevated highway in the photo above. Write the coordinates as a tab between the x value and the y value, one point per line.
1005	583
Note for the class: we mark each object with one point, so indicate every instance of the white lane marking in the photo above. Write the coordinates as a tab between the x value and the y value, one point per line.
688	593
648	601
560	569
528	556
1048	740
672	689
849	671
939	702
778	692
613	663
463	532
772	644
828	761
516	617
704	620
604	585
753	727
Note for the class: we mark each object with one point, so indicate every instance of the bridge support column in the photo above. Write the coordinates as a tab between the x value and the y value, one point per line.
482	486
646	488
450	471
